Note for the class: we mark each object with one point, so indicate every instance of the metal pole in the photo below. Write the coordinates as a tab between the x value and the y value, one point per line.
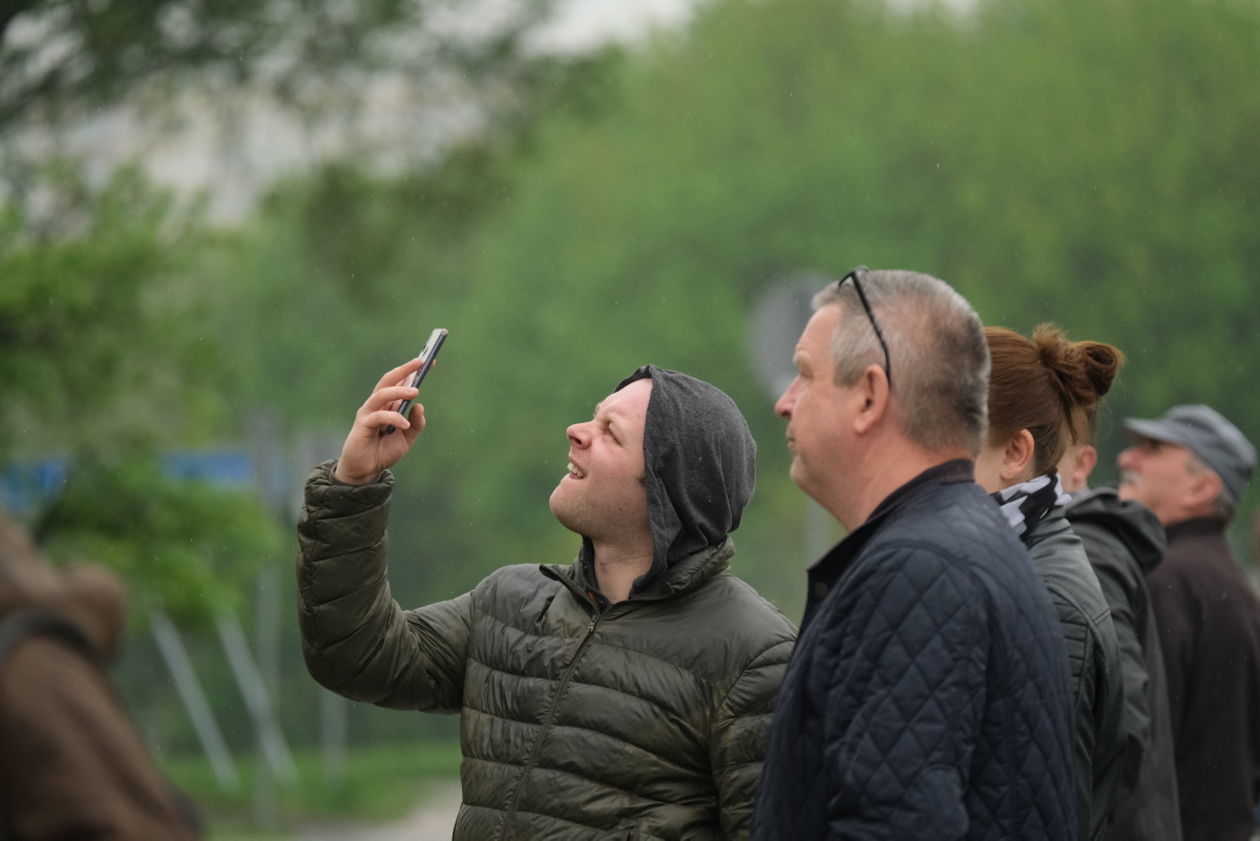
275	749
268	646
333	709
269	481
180	666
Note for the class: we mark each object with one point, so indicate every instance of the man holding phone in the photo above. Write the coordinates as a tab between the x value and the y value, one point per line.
626	695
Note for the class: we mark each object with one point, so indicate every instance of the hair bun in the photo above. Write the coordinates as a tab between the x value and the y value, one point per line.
1102	364
1049	385
1084	370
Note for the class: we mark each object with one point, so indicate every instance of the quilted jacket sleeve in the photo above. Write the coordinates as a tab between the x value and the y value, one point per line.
905	700
356	640
740	734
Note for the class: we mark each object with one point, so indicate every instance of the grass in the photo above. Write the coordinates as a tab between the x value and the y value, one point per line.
378	783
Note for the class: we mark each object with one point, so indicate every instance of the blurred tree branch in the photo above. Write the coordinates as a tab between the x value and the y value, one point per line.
62	58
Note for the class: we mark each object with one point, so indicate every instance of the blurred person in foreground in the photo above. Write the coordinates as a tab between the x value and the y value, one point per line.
927	695
72	765
1125	542
1190	467
1035	387
624	695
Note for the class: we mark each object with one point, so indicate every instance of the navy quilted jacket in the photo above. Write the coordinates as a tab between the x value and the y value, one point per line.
927	696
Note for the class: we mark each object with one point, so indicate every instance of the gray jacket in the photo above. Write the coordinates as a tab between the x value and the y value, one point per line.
1097	682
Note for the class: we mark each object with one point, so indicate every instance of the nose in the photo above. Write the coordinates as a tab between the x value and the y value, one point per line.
1127	458
579	435
787	400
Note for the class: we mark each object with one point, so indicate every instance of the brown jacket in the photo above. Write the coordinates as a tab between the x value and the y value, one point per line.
1209	628
72	764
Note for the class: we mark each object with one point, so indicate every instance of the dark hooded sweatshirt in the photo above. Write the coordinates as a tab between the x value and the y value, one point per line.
644	719
1125	541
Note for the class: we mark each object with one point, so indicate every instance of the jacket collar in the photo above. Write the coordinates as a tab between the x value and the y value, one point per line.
946	473
1051	524
681	577
1196	527
828	570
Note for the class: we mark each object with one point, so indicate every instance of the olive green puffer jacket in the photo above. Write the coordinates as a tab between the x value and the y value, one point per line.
646	721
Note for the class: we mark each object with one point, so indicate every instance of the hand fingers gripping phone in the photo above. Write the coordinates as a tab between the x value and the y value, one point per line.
430	352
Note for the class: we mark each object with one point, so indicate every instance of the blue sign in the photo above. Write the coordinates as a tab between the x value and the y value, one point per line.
220	467
26	484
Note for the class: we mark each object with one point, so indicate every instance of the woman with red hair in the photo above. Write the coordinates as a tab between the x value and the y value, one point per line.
1038	389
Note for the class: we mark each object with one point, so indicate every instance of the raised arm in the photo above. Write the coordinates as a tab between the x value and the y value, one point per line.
356	639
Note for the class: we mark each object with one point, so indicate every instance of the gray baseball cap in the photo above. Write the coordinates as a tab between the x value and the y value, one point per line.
1206	433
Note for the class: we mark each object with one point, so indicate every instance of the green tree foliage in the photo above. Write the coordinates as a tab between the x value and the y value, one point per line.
97	336
343	275
357	271
1088	163
105	356
110	345
1047	158
184	547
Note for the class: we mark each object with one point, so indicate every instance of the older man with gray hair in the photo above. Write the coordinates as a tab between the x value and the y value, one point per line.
927	695
1191	467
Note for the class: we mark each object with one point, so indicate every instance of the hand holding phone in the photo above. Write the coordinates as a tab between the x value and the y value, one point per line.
426	357
369	447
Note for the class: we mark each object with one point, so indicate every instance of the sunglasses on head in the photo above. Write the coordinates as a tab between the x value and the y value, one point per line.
855	276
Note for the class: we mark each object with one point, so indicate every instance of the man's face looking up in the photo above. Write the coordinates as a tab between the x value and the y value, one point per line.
1158	474
602	495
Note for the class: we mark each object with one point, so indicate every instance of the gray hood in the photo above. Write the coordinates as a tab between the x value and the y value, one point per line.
701	467
1131	522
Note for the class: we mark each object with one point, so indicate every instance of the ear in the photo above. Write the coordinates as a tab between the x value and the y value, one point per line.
873	393
1086	461
1076	465
1017	458
1203	489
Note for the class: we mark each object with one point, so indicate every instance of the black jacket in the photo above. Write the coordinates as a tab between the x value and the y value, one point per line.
927	695
1125	541
1209	628
1097	680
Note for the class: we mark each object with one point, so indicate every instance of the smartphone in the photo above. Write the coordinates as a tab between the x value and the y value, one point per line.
430	352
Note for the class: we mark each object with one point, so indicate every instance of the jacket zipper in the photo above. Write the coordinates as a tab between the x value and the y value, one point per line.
551	717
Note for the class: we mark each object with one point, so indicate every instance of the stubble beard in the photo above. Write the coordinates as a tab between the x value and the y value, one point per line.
561	508
609	522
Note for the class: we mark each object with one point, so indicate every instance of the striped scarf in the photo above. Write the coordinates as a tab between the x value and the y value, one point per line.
1027	503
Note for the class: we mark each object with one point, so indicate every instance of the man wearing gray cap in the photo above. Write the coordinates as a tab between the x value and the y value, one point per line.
1191	467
